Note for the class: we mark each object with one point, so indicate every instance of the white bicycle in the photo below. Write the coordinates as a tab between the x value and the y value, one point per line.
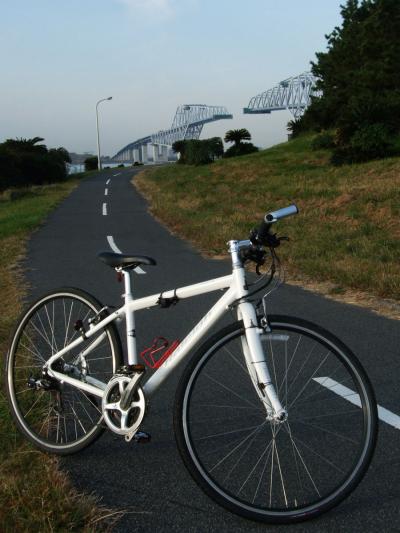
274	417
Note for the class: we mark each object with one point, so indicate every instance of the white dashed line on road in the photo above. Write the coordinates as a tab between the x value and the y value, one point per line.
104	209
108	181
112	244
115	249
117	174
105	192
383	414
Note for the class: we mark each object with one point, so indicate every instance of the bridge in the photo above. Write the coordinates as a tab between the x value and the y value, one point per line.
187	124
293	94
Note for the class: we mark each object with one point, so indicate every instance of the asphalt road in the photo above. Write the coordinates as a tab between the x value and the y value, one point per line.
150	481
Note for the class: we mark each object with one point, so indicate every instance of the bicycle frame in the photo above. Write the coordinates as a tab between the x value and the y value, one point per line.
237	292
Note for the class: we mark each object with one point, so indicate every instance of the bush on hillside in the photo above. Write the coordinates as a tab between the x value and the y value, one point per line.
323	141
24	162
241	149
198	152
91	163
370	142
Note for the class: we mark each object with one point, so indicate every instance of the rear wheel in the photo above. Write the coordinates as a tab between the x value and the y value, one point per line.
265	470
55	416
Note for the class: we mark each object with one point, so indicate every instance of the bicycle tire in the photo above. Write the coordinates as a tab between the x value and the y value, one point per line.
212	409
63	419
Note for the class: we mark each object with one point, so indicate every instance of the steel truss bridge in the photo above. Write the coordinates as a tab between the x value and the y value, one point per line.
187	124
293	94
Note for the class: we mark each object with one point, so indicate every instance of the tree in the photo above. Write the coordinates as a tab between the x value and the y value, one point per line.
179	148
216	147
25	162
91	163
360	79
237	136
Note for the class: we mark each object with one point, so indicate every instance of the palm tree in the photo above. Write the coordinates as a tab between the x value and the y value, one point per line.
237	136
26	145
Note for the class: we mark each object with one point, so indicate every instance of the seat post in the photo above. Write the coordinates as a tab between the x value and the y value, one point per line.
130	320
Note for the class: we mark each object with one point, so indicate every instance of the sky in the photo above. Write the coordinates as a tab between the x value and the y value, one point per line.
59	57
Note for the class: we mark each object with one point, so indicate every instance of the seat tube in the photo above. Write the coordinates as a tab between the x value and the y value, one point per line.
130	320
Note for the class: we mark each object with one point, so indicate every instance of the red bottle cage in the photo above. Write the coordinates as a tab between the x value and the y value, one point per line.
158	352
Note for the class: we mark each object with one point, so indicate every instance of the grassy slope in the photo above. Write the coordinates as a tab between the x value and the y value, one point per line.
349	225
34	494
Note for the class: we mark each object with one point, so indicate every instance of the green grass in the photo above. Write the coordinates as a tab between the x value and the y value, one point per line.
349	224
34	494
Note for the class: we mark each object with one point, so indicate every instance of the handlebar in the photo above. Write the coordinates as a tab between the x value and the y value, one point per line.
274	216
262	235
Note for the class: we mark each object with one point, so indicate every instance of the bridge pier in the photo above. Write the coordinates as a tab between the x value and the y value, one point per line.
144	154
136	156
155	152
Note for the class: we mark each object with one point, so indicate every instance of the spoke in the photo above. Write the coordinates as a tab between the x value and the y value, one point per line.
43	337
324	387
309	380
324	430
231	406
299	481
230	432
29	366
318	455
290	362
35	349
240	457
76	417
269	446
230	390
302	460
45	420
280	472
254	467
34	403
24	390
236	361
302	366
236	447
326	415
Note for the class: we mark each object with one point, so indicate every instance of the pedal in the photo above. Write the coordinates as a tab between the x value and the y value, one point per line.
141	437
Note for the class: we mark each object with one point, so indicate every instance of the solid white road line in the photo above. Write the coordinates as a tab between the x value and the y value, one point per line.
104	209
108	181
106	192
384	414
115	249
117	174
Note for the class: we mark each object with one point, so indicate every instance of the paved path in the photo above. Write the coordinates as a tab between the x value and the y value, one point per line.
150	481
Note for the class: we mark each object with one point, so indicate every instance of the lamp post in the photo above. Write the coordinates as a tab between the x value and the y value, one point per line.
97	128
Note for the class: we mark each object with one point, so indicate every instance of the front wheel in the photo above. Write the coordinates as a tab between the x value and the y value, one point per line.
266	470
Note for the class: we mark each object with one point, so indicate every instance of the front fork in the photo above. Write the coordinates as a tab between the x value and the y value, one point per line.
255	358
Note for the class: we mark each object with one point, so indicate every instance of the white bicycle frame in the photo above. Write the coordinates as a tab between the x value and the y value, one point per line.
237	292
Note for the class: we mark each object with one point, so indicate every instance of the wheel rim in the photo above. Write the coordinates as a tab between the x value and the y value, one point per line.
308	461
61	416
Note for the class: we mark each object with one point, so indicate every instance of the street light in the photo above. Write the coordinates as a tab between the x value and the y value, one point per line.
97	128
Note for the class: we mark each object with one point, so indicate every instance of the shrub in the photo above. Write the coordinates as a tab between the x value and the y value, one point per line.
91	163
198	152
372	142
369	142
323	141
241	149
24	162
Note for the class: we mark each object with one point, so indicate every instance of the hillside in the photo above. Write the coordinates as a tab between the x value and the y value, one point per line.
348	230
